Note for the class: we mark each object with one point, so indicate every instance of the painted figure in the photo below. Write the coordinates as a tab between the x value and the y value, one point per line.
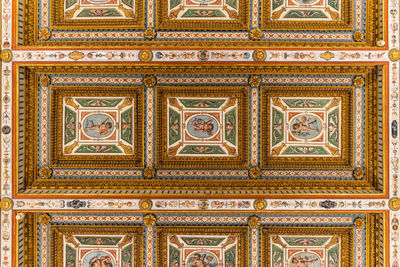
103	261
300	261
100	129
304	126
201	260
201	125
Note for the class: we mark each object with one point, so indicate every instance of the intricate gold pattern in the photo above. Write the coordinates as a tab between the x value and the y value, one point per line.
150	33
260	204
6	204
45	80
358	36
394	54
44	219
255	34
254	221
45	172
255	80
358	174
145	204
145	55
394	203
254	173
149	80
6	55
259	55
149	220
44	34
149	172
327	55
359	223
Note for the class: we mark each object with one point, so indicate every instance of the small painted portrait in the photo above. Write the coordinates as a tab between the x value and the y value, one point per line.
98	125
305	260
202	260
306	126
202	126
98	259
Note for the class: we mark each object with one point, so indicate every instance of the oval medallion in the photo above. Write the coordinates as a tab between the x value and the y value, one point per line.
98	125
203	258
202	126
305	126
305	259
307	2
98	258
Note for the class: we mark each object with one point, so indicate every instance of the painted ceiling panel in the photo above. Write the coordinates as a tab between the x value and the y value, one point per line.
199	133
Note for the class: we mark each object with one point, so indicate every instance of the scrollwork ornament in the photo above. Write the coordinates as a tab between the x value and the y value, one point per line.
259	55
150	33
255	173
44	34
255	34
255	80
358	36
44	219
254	221
145	55
149	173
358	173
145	204
394	204
359	223
45	80
6	55
6	204
149	220
149	80
45	172
358	81
260	204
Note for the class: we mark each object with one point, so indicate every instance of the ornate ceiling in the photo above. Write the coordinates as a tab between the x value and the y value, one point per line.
184	133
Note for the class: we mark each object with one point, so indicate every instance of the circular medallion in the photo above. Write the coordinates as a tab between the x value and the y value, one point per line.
305	126
98	125
202	126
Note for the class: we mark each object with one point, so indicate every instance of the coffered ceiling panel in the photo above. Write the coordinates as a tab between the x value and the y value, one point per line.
239	129
200	23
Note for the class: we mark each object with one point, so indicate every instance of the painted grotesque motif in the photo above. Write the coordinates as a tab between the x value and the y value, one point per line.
98	126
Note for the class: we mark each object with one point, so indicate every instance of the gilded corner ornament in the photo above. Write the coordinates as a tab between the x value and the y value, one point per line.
394	54
255	34
359	223
381	43
358	81
145	55
149	80
44	219
150	33
394	203
259	55
20	216
45	172
145	204
358	173
6	55
255	80
254	221
149	220
45	80
44	34
6	204
260	204
358	36
254	172
149	173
